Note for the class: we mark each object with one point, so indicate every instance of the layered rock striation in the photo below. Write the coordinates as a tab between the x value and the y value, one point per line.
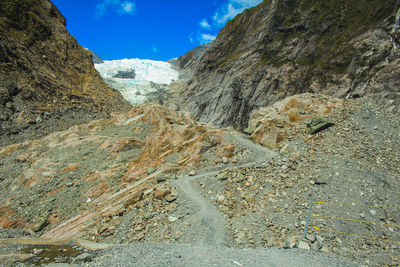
83	181
285	47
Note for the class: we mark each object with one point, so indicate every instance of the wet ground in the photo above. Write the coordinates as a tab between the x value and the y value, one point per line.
37	252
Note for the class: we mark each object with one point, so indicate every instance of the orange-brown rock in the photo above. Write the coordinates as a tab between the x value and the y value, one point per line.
9	218
272	125
160	193
78	178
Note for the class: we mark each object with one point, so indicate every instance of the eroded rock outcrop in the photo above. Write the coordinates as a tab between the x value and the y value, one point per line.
43	68
80	182
281	48
272	126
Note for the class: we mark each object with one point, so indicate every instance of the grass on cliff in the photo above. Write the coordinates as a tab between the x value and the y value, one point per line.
334	24
24	16
345	20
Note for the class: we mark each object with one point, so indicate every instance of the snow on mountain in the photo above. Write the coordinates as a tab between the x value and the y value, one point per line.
149	74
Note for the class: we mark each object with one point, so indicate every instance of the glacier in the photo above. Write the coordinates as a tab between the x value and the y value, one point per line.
152	77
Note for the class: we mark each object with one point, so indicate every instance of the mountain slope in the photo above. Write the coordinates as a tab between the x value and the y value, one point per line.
43	68
286	47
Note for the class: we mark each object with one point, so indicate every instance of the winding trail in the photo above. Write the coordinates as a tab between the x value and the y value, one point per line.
209	221
208	248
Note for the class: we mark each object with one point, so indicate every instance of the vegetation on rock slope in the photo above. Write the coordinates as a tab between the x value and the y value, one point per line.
43	68
281	48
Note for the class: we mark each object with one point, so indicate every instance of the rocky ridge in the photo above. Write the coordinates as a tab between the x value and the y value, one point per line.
282	48
96	58
43	70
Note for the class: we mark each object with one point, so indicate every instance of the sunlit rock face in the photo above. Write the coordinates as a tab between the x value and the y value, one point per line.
271	126
282	48
150	77
72	183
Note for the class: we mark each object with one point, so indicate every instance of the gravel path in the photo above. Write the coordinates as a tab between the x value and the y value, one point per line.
209	223
208	236
156	254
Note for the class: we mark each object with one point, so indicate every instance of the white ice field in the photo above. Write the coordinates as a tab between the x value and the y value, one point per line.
147	72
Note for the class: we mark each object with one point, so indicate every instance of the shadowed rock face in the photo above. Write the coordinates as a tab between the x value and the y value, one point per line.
285	47
189	61
43	68
96	58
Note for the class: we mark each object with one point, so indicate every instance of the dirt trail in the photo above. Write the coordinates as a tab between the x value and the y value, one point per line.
209	221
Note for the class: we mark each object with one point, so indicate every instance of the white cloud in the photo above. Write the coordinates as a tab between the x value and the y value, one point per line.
129	7
247	3
226	11
232	8
118	6
154	49
191	38
204	24
206	38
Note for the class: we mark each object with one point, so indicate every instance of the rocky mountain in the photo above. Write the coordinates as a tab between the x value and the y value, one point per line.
286	47
43	69
189	61
313	183
96	58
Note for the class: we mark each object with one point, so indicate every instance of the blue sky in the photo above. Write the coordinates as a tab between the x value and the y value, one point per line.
147	29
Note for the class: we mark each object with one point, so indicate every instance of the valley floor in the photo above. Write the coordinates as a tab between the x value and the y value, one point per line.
228	210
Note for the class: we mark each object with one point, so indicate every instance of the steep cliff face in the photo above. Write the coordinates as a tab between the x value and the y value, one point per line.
43	68
286	47
189	62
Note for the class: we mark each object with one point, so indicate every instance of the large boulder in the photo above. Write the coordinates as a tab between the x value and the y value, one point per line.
271	126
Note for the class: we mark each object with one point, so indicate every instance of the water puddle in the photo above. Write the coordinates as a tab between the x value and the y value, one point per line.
45	254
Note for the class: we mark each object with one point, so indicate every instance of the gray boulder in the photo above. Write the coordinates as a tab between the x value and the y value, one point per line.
125	74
